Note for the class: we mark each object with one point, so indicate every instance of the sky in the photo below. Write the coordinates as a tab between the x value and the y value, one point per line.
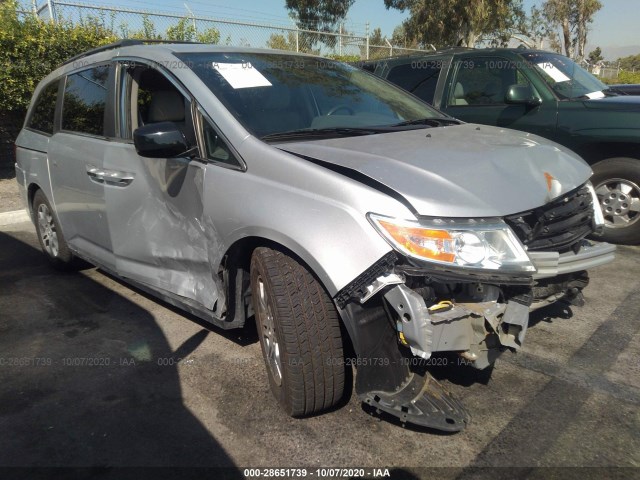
614	28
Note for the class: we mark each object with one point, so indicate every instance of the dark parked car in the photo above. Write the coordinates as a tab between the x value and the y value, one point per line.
542	93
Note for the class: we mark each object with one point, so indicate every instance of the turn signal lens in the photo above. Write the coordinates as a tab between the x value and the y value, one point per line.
423	242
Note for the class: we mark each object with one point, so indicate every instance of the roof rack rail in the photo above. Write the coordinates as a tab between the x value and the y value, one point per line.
104	48
126	42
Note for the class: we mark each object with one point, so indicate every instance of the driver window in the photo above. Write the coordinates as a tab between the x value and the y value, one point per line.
153	99
484	81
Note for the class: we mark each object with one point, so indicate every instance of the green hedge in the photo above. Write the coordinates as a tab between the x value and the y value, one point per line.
30	48
623	77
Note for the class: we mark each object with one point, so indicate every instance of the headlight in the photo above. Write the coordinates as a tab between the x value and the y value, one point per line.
480	244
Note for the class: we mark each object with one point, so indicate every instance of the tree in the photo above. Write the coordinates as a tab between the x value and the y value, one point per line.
595	56
277	41
630	63
378	47
458	22
30	48
209	35
148	31
183	31
376	37
572	17
400	38
319	15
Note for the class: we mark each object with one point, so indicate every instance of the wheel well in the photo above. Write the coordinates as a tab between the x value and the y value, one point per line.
31	192
238	256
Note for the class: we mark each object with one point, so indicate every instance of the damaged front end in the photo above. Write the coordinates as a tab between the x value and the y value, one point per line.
405	307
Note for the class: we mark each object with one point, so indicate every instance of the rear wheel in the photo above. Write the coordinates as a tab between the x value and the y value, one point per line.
299	334
617	184
49	233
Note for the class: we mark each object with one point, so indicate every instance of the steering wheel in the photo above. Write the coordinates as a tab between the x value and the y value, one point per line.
341	107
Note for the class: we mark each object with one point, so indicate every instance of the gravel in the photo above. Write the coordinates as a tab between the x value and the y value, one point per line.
9	194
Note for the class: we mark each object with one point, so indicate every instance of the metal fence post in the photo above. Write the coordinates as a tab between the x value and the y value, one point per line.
367	30
50	7
297	39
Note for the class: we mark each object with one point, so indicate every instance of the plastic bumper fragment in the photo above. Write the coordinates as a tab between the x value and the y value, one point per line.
422	401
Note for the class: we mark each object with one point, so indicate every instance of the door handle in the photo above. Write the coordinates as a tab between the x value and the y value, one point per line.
109	177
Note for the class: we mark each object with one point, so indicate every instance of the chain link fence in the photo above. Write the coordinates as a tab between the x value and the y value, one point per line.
606	72
134	23
142	24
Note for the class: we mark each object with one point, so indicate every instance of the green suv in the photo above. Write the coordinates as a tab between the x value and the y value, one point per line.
545	94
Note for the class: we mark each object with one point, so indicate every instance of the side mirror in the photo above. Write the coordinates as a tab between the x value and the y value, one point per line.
522	95
160	140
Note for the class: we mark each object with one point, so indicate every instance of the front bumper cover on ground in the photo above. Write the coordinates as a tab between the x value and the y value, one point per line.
422	401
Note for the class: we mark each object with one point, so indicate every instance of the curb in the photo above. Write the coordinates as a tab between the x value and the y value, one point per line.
17	216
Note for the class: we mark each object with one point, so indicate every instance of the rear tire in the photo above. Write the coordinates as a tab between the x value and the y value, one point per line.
50	235
299	334
617	184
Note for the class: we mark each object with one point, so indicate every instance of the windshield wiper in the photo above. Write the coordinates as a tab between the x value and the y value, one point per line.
325	132
432	122
613	92
357	131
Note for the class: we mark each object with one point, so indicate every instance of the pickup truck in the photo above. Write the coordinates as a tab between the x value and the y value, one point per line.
542	93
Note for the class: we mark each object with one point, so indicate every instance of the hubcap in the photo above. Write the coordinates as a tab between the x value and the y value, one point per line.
269	340
47	229
620	202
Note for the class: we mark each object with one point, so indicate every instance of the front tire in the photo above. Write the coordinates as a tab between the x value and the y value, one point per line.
299	334
617	184
49	233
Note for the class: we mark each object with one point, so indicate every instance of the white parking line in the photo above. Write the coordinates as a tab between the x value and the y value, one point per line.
17	216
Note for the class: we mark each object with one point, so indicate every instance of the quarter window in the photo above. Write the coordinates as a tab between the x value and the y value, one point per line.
44	109
216	147
85	97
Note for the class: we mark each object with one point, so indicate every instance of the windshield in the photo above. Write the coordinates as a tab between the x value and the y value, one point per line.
277	93
567	79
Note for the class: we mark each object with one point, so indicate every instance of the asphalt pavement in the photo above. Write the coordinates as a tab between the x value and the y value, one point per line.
96	374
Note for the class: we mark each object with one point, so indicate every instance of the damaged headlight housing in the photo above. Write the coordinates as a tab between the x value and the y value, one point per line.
481	244
598	217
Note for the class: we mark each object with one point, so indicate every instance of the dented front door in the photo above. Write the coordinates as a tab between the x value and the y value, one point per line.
156	219
156	224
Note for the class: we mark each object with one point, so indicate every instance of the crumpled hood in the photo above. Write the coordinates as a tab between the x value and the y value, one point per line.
458	171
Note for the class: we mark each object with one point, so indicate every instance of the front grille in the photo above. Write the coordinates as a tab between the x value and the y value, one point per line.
558	225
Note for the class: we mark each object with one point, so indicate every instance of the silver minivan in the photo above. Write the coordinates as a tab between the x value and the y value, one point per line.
358	225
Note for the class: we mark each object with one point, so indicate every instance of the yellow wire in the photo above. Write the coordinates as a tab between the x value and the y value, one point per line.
441	305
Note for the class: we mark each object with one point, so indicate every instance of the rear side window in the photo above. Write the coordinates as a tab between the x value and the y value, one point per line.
419	77
44	109
85	97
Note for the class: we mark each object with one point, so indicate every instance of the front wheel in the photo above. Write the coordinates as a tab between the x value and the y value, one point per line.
49	233
617	184
299	334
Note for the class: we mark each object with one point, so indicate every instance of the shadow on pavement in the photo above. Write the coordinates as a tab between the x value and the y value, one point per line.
86	377
559	310
244	336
